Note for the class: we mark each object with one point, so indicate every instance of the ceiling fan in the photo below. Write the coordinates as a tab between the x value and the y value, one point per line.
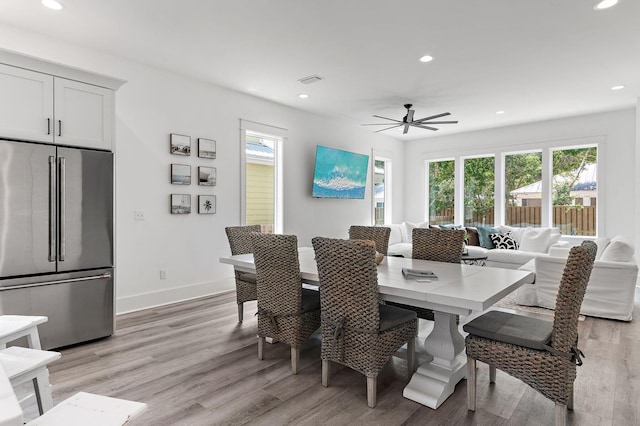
408	121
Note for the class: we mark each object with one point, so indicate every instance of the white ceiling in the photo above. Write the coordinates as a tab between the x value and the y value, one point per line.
532	59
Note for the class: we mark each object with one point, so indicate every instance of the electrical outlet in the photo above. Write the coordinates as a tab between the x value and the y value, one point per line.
163	274
138	215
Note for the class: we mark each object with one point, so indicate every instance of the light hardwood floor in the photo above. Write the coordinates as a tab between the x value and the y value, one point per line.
194	364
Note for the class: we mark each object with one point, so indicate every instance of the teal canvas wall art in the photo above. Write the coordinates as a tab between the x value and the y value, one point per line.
339	174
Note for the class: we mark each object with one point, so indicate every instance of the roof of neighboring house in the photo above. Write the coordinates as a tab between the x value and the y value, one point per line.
258	151
587	181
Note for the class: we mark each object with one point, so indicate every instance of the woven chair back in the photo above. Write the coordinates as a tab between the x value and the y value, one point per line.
570	294
377	234
348	282
277	273
239	239
440	245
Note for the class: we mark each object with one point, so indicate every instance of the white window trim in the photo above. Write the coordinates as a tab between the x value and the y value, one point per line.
279	134
388	191
500	152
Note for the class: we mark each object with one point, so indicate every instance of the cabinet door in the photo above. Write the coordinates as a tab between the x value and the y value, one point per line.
26	104
83	114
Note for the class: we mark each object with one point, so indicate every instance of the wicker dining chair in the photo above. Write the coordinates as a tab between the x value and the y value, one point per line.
356	330
240	243
377	234
541	353
440	245
286	311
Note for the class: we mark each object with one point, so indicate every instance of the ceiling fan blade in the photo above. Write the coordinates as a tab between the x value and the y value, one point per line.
410	115
375	124
406	128
392	127
423	127
437	122
386	118
444	114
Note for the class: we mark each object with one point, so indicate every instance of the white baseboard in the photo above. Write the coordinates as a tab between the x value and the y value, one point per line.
173	295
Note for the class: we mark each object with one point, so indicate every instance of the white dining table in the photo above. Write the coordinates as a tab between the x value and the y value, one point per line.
459	290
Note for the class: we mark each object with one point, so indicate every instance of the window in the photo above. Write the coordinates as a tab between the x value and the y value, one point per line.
523	189
441	188
479	185
574	194
546	184
381	191
261	199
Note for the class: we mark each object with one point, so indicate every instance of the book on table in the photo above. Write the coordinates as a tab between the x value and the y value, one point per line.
418	273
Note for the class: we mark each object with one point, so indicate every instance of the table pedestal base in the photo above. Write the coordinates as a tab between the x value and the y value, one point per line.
431	385
436	380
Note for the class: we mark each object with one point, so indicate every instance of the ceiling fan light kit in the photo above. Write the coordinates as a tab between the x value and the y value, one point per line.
408	121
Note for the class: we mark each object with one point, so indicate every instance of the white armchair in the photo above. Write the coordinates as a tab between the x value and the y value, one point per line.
609	294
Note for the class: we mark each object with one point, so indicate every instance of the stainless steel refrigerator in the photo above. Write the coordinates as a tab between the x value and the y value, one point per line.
56	239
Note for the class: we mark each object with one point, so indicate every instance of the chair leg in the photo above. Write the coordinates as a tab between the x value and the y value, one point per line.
471	383
260	347
326	371
411	357
43	391
295	360
492	374
570	401
561	415
240	311
372	384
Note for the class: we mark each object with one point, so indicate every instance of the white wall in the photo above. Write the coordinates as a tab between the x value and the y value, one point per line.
153	104
617	177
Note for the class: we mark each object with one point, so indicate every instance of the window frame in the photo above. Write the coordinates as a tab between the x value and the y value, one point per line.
499	153
279	135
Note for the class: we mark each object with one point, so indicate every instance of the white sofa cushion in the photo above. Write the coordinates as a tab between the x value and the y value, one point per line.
401	249
618	250
395	236
538	240
602	244
510	259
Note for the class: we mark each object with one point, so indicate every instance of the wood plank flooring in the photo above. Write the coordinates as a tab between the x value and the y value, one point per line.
194	364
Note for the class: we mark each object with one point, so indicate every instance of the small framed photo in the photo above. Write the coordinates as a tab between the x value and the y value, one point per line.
180	204
180	144
207	204
207	148
180	174
207	176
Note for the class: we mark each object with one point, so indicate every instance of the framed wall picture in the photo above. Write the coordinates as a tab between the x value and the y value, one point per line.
180	204
207	204
207	176
206	148
180	144
180	174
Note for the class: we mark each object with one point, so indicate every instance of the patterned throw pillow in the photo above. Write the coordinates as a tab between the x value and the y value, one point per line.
504	241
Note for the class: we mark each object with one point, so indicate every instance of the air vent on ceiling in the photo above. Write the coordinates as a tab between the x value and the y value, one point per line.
311	79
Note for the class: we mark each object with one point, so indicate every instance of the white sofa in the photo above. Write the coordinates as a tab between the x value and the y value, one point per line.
400	245
610	292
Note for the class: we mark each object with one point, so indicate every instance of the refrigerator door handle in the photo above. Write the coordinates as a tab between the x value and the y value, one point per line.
63	208
70	280
52	209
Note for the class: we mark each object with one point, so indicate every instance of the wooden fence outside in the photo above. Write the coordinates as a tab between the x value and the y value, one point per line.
572	220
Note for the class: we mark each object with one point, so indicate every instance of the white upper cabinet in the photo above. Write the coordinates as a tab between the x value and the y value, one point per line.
38	106
83	114
26	104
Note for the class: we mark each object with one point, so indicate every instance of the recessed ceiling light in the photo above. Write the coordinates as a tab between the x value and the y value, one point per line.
52	4
499	112
303	96
605	4
617	87
426	58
